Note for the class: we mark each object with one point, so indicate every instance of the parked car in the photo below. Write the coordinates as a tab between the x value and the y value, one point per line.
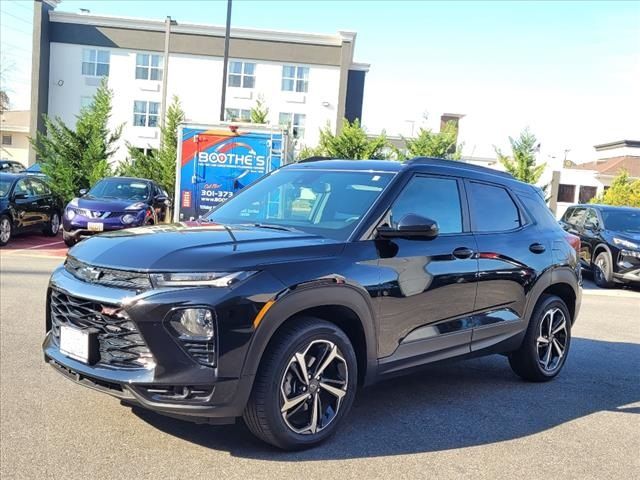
317	279
114	203
11	166
36	169
27	204
610	241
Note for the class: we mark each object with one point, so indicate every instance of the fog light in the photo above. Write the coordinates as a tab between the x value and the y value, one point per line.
194	322
128	219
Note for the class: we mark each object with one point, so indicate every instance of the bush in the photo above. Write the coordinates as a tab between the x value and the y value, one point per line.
623	192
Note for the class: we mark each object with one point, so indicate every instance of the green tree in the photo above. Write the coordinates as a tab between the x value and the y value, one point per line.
623	192
259	112
522	162
76	159
159	165
441	144
352	143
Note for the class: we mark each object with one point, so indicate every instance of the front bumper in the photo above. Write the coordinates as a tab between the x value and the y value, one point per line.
78	226
627	268
175	383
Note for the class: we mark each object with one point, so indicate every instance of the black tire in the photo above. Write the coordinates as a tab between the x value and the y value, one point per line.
52	228
69	240
603	270
528	362
263	414
6	230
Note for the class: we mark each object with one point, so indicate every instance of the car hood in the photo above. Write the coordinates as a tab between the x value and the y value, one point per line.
200	247
104	204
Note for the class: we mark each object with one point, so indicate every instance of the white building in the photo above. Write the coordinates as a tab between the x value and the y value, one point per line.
306	80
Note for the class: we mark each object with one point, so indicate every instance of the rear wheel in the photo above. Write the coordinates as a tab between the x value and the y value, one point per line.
603	270
5	230
53	227
305	385
544	349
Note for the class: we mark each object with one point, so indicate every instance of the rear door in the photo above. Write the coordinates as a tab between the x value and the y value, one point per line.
43	206
428	285
511	255
25	204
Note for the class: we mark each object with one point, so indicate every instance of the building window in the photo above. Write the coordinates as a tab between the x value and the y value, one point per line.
7	140
148	67
294	121
566	193
95	63
237	115
295	79
586	193
145	114
85	102
242	74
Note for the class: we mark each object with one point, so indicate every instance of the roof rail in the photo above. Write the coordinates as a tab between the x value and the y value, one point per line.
457	164
315	159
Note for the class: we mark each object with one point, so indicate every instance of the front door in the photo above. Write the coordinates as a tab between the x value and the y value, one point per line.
25	204
428	285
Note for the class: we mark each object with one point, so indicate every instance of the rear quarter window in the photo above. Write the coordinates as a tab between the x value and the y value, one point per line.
539	211
492	208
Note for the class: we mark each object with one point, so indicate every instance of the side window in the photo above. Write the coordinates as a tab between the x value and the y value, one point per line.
23	186
577	216
492	208
430	197
539	210
591	219
38	188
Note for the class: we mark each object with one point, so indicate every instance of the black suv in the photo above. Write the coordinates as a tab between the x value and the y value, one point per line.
610	241
321	277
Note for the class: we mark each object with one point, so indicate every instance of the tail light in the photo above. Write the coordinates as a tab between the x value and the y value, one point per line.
574	241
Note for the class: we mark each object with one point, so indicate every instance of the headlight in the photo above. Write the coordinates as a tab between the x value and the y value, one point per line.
74	202
71	213
194	322
625	243
212	279
128	218
136	206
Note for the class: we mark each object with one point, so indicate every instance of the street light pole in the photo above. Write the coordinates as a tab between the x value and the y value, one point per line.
225	64
165	69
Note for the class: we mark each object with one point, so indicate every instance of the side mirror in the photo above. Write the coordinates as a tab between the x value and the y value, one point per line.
162	199
19	196
411	226
83	192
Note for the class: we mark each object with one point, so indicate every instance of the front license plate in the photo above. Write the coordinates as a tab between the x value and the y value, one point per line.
74	343
95	226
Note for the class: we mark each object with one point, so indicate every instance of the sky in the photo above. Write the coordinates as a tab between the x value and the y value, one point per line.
569	71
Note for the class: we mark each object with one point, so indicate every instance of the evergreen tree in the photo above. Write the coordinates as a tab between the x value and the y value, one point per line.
259	113
441	144
76	159
522	162
622	192
352	143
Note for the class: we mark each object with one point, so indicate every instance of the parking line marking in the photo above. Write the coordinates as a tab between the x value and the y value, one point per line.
42	246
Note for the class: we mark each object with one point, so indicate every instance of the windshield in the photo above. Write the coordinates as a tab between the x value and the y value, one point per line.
322	202
622	220
5	186
120	188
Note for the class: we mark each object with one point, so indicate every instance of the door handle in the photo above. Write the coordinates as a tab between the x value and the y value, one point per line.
537	248
462	252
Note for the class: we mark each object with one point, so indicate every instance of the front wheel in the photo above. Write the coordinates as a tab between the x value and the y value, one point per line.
545	347
69	240
305	386
53	227
603	270
5	230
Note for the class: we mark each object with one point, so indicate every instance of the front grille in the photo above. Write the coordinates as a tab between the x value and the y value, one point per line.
114	214
120	342
107	276
85	212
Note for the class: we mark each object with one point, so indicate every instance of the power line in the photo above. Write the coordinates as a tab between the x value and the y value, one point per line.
21	5
16	30
16	17
16	47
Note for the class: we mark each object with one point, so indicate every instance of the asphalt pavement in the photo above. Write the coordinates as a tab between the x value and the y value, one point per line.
472	419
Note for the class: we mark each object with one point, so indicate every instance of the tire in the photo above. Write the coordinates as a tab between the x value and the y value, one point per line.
53	227
6	230
280	377
69	240
534	360
603	270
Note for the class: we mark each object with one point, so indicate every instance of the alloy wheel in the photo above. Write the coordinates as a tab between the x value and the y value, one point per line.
313	386
55	223
601	265
552	340
5	230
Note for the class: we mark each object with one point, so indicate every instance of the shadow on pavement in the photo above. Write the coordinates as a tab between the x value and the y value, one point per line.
469	403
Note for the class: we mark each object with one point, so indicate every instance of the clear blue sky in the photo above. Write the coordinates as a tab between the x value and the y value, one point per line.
568	70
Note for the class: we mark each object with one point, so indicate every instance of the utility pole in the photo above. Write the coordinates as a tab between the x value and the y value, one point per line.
225	65
165	68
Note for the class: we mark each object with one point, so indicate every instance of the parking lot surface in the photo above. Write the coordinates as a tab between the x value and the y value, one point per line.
472	419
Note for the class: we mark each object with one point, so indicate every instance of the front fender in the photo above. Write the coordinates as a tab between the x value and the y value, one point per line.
302	298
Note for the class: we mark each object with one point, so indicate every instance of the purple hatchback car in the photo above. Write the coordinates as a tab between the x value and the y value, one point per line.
114	203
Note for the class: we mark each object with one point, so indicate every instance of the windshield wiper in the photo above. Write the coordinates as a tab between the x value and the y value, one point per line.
275	227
